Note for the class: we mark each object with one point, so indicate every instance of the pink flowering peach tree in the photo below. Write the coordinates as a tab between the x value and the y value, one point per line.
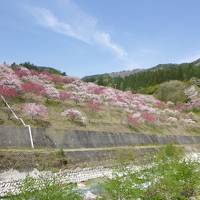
8	92
149	117
35	110
94	105
74	115
65	95
31	87
134	120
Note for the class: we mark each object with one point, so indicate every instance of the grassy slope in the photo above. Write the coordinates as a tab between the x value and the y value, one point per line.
108	119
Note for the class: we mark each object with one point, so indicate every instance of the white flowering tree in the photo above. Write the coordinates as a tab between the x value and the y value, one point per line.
74	115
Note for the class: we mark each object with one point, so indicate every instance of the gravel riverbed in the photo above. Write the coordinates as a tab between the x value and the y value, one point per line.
10	180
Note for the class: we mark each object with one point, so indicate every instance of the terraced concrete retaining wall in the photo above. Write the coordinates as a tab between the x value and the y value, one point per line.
19	137
108	154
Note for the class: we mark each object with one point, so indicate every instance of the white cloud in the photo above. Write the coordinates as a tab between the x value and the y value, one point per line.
46	18
78	25
105	39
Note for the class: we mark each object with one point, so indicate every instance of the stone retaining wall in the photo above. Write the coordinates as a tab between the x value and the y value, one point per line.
19	137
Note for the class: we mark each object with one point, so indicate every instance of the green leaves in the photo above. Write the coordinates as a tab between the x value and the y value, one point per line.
169	177
172	91
46	189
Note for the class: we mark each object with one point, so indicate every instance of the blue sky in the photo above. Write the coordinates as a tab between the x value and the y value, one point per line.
84	37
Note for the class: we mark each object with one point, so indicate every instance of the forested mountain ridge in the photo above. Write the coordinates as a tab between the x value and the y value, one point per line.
115	74
150	77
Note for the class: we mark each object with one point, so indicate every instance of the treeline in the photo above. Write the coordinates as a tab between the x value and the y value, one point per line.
149	78
39	68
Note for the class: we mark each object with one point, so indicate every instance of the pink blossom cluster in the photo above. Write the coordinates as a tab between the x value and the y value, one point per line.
94	89
148	108
31	87
57	79
189	106
134	119
137	107
8	92
37	78
64	95
51	92
25	80
149	117
22	71
35	110
8	78
11	81
5	69
74	115
94	105
138	118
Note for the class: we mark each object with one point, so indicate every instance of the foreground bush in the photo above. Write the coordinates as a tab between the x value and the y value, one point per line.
172	91
170	177
43	189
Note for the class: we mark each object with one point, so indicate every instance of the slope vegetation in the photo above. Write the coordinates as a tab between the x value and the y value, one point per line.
46	99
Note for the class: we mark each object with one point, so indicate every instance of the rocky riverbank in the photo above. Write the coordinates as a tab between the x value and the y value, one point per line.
11	180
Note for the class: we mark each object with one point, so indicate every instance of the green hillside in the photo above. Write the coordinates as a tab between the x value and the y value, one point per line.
145	81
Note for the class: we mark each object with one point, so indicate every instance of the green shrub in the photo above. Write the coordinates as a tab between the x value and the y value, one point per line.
52	102
124	156
45	189
18	99
172	91
59	86
149	90
195	110
62	158
1	121
169	177
39	123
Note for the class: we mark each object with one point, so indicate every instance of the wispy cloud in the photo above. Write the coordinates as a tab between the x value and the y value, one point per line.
78	25
105	39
